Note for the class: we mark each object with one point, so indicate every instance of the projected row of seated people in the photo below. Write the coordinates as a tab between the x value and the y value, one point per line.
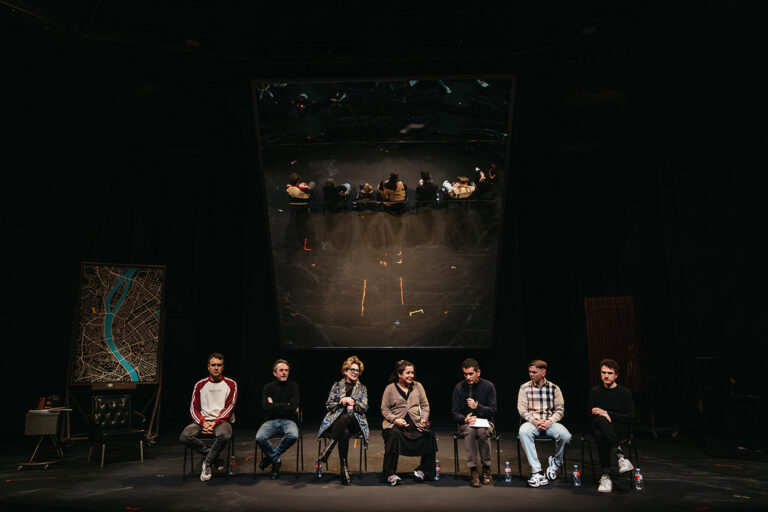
392	191
406	427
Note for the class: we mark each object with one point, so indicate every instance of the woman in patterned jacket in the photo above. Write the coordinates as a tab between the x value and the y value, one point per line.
346	405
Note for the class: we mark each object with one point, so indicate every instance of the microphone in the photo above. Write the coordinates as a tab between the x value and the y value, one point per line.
470	390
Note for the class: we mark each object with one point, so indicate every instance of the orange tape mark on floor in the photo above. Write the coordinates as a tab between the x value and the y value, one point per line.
362	304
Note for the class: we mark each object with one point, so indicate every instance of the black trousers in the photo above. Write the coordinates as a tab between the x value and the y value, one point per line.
607	434
395	444
341	429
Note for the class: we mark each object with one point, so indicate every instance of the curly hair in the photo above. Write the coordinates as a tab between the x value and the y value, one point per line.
348	362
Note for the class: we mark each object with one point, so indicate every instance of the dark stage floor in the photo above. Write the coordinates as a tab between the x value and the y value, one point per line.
347	278
678	476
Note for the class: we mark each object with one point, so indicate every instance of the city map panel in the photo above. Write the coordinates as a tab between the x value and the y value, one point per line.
118	324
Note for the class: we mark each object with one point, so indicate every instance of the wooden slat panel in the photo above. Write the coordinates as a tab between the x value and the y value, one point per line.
612	332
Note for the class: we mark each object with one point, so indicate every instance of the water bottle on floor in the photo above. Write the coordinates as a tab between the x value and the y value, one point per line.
437	470
232	465
576	476
638	480
507	473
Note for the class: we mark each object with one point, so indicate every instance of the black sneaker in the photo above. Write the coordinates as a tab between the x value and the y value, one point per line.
276	469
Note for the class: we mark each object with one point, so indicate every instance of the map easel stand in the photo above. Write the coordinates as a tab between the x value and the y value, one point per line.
117	340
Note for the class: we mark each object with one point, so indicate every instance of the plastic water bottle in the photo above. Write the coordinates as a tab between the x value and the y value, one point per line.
507	473
437	470
232	465
319	469
576	476
349	410
638	480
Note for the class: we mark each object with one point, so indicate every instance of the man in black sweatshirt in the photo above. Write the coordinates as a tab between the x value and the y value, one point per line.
475	398
280	401
612	411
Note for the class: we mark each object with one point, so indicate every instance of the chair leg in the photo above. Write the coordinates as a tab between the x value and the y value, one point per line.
498	457
360	470
455	459
519	463
103	451
141	450
90	452
184	466
255	457
591	460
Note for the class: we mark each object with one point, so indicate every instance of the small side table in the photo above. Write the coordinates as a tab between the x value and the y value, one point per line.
43	423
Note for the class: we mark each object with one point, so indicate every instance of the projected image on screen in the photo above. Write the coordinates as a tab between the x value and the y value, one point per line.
384	202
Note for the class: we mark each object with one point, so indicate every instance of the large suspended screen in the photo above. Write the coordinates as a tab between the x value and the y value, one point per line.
364	255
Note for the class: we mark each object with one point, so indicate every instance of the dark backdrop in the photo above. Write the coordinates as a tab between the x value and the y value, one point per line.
638	168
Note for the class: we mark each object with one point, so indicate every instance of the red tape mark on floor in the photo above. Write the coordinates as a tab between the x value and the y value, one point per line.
28	479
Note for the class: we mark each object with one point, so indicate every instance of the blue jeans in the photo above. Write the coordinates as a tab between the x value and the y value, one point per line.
557	432
276	428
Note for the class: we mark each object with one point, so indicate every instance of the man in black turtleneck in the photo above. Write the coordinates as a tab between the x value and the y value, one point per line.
280	400
613	411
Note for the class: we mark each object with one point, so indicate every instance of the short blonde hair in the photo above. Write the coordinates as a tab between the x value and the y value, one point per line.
350	361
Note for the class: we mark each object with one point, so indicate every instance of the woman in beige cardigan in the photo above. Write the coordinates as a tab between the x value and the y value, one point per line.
405	409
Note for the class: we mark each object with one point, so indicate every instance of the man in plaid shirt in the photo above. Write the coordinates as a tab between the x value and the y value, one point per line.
541	406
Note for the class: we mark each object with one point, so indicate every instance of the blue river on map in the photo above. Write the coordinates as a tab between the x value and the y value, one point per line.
127	279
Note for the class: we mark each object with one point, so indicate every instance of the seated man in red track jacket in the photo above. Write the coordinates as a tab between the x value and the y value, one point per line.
213	401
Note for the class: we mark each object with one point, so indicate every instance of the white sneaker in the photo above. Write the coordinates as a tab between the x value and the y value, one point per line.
393	480
605	484
552	468
205	475
537	480
419	475
624	465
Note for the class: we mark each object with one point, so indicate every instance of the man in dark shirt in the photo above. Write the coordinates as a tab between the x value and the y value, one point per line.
613	411
280	400
475	399
426	191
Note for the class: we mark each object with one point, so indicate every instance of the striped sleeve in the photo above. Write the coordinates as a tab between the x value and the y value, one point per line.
229	404
194	406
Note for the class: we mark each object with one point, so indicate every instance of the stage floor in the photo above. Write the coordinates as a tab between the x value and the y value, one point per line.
678	476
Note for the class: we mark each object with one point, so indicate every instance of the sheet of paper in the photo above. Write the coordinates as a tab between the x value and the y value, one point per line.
481	423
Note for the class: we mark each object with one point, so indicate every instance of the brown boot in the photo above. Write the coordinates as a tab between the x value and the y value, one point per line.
474	478
487	478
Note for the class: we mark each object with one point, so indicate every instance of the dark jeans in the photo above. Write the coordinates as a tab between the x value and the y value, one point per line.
393	437
222	433
340	430
607	434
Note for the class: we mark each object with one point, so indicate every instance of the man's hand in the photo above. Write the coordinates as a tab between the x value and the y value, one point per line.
208	427
601	412
401	423
470	419
472	404
269	400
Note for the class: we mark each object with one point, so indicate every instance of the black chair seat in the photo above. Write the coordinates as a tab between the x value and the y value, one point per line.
363	452
542	440
130	434
112	419
208	439
629	442
299	447
495	437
